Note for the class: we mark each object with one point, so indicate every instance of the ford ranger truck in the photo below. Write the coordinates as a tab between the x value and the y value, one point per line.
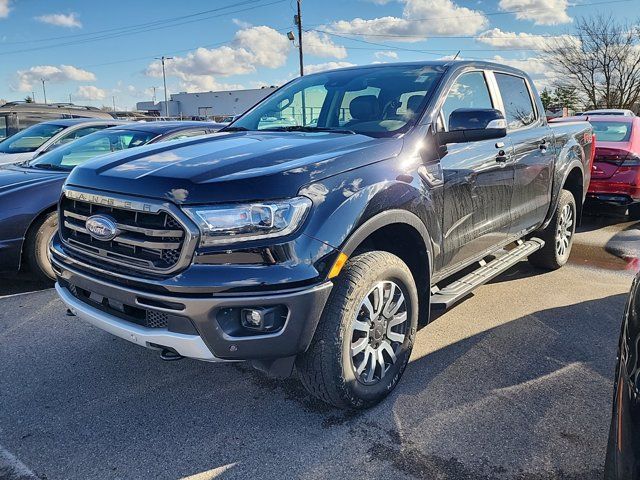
318	228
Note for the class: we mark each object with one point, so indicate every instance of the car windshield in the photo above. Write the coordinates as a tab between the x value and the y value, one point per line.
612	131
30	139
91	146
376	101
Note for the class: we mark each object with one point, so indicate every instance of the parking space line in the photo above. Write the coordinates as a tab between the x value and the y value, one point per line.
13	469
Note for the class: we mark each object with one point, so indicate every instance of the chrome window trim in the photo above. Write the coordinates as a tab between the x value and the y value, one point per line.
191	232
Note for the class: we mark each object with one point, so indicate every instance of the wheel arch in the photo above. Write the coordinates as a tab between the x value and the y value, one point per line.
401	233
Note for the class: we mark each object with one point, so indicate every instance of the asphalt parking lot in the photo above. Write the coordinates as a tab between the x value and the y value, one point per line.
513	383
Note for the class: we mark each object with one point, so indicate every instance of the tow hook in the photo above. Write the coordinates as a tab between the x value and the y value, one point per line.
170	355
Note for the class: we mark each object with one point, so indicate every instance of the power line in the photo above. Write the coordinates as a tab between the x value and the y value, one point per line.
103	37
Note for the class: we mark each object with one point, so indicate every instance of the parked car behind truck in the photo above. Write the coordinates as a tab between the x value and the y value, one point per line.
30	191
320	245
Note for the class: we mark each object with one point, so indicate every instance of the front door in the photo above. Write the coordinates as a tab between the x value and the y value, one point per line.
478	182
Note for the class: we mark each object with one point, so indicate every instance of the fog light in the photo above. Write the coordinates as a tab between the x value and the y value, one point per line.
262	319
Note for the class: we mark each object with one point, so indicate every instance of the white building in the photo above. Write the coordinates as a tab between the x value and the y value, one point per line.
207	104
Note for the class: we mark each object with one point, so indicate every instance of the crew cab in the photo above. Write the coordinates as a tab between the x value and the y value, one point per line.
317	228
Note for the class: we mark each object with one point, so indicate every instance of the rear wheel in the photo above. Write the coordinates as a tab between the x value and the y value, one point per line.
366	333
558	235
37	245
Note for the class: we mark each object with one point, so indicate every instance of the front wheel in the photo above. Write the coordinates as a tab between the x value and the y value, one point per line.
558	235
37	245
366	333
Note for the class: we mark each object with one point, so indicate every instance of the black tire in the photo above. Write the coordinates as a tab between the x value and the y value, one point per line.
552	256
634	211
37	244
327	368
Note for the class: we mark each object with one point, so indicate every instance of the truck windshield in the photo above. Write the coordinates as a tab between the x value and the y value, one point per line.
91	146
377	101
612	131
30	139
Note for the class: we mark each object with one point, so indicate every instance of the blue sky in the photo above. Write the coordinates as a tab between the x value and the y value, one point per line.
95	51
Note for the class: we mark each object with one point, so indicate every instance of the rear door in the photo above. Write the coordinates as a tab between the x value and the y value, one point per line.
477	183
533	154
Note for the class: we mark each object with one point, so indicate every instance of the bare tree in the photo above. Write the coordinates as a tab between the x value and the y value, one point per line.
601	59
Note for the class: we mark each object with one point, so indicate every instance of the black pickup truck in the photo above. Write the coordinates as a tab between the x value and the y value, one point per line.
318	228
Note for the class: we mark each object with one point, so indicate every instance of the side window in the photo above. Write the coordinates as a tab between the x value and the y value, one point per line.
290	111
3	128
81	132
517	101
469	91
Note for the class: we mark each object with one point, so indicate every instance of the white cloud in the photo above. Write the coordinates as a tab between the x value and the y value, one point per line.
321	45
386	54
251	48
321	67
511	40
541	12
420	18
4	8
89	92
63	73
61	20
241	23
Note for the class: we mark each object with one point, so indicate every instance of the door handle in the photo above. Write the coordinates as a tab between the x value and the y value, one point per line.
543	145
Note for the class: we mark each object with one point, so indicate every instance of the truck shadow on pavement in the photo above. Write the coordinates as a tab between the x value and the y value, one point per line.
528	399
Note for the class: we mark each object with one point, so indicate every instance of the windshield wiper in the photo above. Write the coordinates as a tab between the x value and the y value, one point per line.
302	128
234	129
50	166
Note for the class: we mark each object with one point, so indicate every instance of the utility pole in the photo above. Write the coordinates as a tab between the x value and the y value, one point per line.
164	81
70	99
298	22
154	94
113	98
33	97
44	91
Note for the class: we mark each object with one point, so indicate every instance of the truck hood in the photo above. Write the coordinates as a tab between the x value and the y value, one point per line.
13	178
232	167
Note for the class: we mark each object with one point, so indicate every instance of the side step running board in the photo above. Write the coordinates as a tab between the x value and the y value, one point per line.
457	290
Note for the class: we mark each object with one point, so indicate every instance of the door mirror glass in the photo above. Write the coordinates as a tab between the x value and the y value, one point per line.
474	124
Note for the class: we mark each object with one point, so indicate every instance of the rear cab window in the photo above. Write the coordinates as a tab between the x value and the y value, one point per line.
516	98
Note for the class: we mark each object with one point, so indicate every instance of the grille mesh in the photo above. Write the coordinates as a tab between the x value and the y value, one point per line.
147	241
156	319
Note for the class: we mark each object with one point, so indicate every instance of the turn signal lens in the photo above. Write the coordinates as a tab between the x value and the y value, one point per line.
337	266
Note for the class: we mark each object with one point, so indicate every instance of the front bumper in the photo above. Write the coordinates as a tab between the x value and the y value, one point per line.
193	325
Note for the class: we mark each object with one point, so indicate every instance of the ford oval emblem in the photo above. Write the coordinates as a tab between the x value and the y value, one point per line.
102	227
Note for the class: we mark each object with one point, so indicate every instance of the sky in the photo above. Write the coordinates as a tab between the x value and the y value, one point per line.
101	53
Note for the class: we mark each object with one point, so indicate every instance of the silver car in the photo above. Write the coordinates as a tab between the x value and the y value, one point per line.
46	136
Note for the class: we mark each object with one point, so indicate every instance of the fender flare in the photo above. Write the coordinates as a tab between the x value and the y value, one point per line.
574	163
383	219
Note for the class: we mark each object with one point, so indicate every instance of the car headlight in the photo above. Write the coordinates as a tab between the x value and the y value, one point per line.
224	224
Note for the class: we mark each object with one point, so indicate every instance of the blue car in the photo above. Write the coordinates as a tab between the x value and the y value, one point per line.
29	191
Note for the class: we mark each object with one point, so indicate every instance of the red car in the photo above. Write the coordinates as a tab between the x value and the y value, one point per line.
615	174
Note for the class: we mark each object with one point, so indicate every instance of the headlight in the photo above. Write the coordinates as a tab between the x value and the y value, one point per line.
226	224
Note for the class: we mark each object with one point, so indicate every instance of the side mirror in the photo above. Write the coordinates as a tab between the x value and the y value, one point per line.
474	124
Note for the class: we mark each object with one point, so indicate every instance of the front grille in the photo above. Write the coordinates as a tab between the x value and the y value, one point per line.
151	241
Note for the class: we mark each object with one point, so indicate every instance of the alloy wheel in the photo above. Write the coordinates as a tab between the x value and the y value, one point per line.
564	231
378	332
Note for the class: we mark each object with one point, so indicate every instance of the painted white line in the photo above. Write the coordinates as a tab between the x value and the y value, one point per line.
12	468
24	293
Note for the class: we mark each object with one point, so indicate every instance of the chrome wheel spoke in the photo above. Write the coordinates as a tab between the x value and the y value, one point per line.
395	337
372	367
381	362
378	295
387	348
398	319
365	360
389	304
359	346
361	326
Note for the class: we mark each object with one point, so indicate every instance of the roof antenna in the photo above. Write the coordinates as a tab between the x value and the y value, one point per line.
454	58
